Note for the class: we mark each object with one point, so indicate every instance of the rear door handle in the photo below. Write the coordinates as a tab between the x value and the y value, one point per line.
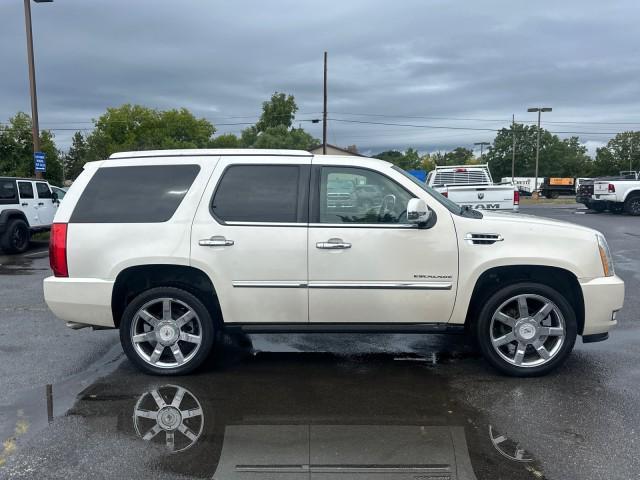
41	204
333	244
215	241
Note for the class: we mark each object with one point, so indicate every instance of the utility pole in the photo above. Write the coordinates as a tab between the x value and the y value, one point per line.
631	151
35	128
324	109
482	144
513	149
539	110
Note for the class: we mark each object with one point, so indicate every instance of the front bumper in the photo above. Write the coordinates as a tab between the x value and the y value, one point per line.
602	298
80	300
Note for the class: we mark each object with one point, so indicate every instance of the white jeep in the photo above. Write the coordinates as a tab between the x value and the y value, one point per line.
171	247
26	206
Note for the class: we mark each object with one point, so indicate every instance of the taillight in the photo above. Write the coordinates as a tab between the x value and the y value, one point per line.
516	197
612	188
445	194
58	250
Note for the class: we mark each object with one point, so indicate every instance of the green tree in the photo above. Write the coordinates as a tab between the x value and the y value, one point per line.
273	130
227	140
622	152
76	157
409	160
457	156
134	127
558	158
16	150
280	110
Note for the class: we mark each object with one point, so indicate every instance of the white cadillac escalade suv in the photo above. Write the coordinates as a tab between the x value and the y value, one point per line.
170	247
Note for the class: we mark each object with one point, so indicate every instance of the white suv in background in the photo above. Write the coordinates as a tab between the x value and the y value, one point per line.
172	246
26	206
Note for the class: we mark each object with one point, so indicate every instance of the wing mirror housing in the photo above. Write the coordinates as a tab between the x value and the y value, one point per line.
417	212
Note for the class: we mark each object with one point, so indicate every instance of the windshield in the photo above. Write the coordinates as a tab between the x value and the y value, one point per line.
448	204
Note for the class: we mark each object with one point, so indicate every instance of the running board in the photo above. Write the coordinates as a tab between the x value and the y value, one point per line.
345	328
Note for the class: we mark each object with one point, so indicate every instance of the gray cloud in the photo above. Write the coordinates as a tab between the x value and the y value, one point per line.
414	58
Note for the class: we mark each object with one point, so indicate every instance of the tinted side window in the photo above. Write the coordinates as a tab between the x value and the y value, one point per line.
8	192
148	194
25	189
257	193
358	195
43	190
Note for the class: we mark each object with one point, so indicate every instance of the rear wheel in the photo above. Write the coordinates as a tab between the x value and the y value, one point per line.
632	205
526	329
16	238
166	331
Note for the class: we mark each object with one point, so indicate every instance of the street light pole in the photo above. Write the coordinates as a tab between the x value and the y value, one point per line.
539	110
513	149
35	127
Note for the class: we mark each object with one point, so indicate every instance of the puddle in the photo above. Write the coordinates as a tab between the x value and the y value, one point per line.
274	416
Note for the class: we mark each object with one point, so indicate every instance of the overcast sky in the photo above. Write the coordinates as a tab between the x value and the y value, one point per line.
450	63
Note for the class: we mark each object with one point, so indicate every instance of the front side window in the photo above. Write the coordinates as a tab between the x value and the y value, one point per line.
26	190
43	190
8	190
258	193
358	195
141	194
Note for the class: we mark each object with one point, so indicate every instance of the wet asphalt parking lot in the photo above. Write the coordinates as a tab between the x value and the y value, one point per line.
315	406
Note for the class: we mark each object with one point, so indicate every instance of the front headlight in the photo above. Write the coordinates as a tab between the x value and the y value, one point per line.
605	256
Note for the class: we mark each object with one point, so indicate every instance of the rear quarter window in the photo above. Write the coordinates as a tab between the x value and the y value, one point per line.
140	194
8	192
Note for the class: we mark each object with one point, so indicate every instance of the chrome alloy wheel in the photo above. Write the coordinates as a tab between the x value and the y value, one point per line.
166	333
173	410
527	330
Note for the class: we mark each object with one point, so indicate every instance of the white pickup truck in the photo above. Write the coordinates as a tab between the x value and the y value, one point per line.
617	195
471	186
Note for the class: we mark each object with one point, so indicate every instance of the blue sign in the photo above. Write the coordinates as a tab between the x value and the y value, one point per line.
40	162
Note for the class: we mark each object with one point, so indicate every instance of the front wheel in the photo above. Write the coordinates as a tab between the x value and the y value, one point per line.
166	331
526	329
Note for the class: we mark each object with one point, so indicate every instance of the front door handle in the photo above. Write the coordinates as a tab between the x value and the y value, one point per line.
215	241
25	204
333	244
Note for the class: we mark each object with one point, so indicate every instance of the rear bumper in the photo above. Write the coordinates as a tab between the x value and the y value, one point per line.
80	300
602	298
605	197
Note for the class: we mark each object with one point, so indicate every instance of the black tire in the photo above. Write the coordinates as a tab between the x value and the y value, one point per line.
598	206
554	194
483	326
17	237
632	205
206	323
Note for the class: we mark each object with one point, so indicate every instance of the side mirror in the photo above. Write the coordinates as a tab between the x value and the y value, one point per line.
418	212
54	197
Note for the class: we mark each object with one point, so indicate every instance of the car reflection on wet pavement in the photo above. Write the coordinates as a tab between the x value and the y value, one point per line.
278	416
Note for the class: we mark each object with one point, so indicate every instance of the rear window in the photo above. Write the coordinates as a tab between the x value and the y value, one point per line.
25	189
258	193
8	192
149	194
